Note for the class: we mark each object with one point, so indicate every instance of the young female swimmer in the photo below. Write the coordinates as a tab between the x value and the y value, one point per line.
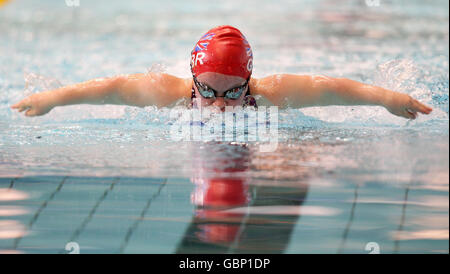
221	66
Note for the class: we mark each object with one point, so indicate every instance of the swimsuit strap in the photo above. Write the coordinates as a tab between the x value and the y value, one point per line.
249	100
192	96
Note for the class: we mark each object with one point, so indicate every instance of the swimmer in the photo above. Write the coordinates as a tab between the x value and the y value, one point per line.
221	66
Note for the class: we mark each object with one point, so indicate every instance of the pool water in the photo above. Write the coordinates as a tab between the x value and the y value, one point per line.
110	179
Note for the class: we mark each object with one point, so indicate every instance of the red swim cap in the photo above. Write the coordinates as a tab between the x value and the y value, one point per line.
223	50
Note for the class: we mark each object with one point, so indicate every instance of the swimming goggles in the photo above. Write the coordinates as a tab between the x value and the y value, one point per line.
210	93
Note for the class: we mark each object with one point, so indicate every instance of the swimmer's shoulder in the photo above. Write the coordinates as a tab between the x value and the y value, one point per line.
262	89
266	86
162	87
277	87
180	87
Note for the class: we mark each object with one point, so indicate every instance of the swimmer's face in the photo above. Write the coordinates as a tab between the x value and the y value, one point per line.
220	83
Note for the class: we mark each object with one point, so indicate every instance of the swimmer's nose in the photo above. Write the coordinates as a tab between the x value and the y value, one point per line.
220	103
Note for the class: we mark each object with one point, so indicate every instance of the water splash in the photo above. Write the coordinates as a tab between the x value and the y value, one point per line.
35	83
157	68
398	75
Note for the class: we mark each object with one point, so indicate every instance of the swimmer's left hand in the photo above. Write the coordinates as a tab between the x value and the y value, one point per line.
405	106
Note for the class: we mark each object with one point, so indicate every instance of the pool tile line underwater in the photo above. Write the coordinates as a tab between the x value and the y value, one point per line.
243	232
402	221
11	184
400	228
136	223
232	249
39	211
350	221
92	212
83	224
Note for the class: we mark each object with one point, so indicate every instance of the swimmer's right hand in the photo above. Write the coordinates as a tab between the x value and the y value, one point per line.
404	105
34	105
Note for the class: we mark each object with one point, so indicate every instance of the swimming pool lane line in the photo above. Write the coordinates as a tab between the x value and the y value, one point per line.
136	223
39	211
416	172
349	222
402	221
80	229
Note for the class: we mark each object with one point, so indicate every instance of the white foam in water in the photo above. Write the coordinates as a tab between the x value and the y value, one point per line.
397	75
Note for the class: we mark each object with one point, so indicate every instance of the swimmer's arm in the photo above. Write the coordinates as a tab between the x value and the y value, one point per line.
153	89
135	90
305	91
